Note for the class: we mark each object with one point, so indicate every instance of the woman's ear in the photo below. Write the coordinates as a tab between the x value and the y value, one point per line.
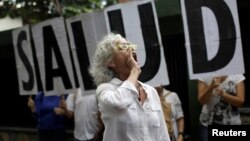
110	64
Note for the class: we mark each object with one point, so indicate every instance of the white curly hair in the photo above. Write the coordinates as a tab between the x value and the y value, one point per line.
104	52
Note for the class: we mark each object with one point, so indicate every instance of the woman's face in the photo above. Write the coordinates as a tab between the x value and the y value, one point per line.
120	58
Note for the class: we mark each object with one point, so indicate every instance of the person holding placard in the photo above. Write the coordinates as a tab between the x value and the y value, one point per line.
173	113
220	98
49	115
84	110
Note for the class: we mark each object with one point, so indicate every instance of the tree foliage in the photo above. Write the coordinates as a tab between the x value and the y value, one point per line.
33	11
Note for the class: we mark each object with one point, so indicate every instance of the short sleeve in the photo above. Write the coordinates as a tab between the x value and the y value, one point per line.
70	101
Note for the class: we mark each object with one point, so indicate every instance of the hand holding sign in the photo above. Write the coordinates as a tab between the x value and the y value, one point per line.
31	104
62	106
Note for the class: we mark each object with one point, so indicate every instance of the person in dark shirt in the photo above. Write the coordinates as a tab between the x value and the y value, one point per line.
49	115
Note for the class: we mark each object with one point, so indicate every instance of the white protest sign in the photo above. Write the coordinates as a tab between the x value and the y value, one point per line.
212	35
24	61
52	51
84	32
137	22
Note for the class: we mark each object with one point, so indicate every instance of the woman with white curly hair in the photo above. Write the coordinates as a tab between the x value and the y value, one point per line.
130	109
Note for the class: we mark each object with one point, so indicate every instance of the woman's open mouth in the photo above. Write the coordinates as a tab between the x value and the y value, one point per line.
135	56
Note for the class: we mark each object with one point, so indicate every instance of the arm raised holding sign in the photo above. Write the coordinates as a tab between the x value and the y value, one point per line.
50	118
220	98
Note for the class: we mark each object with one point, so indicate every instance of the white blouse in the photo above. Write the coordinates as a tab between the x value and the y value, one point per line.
125	119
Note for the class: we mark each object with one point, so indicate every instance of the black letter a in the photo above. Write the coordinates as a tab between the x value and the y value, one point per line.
50	43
